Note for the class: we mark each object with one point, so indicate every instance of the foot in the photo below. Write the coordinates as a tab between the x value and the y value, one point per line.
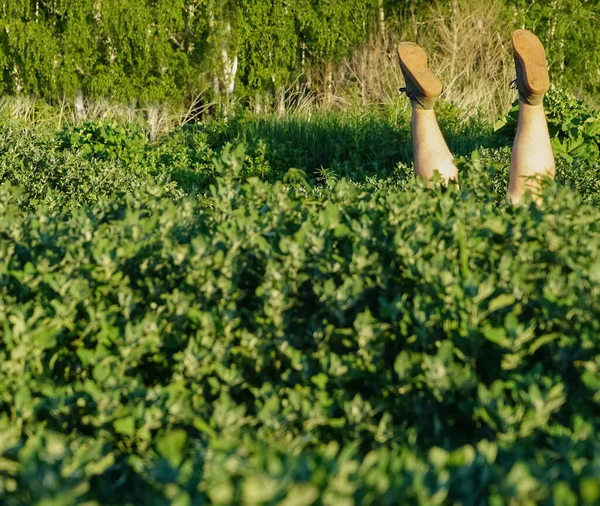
532	67
422	87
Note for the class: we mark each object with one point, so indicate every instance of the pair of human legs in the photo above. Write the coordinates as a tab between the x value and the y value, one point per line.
532	157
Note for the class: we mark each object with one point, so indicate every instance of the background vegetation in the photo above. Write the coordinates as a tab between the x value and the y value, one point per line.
280	54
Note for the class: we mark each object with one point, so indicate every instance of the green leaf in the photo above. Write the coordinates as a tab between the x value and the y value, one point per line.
502	301
301	495
102	371
259	489
497	336
320	380
496	225
125	426
563	495
100	466
172	446
589	489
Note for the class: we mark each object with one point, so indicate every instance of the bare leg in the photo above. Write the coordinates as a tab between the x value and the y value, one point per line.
422	87
532	157
430	150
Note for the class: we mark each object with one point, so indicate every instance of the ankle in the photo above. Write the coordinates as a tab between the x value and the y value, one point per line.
528	105
418	110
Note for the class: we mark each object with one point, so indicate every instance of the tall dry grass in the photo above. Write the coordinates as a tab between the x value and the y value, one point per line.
158	119
469	46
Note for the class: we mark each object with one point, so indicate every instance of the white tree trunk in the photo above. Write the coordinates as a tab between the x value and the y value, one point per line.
79	105
329	83
382	27
153	121
258	103
230	65
281	102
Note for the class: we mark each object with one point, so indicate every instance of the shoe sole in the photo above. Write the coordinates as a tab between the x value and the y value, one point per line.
413	61
532	57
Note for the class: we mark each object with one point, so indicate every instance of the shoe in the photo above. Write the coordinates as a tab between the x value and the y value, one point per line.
532	80
422	87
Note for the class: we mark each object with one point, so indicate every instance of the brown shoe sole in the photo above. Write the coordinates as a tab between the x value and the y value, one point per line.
532	57
413	61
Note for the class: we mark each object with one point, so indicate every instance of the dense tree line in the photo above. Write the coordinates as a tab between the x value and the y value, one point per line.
156	50
153	50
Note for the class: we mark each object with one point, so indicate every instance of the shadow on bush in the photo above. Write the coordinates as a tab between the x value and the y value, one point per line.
353	146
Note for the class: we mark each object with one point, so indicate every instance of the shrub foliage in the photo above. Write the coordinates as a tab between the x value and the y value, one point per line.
184	322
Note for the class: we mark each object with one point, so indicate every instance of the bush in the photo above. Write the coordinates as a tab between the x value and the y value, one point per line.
270	342
103	141
60	178
296	320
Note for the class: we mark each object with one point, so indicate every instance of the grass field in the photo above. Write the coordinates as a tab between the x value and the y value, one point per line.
273	311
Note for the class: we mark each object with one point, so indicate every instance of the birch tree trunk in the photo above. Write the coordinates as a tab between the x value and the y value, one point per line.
455	18
229	69
381	19
79	106
257	103
153	121
328	83
414	23
281	102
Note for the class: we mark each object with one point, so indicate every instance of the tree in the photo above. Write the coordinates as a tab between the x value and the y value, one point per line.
331	29
268	46
144	50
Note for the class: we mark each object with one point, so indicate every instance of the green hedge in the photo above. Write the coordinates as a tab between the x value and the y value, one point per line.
360	345
278	336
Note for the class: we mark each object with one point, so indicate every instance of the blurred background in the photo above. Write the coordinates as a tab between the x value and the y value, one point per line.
182	59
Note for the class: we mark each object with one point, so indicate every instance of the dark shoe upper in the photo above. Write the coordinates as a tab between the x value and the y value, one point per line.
422	87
